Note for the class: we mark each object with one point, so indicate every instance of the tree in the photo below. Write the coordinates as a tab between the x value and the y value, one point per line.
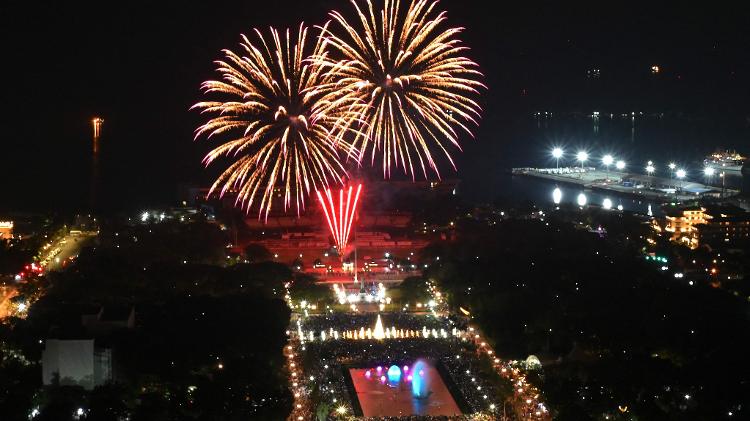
257	253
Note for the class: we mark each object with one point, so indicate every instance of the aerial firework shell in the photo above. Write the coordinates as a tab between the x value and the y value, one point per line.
283	135
410	71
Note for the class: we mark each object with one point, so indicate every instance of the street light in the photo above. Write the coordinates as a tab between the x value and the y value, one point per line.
607	204
620	165
650	170
680	173
709	171
557	153
672	166
582	156
607	160
581	200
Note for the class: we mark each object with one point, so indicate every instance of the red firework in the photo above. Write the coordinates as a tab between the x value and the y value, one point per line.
340	226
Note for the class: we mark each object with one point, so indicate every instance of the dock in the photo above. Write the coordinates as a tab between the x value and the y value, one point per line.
626	183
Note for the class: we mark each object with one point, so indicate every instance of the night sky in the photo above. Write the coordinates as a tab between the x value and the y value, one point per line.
139	66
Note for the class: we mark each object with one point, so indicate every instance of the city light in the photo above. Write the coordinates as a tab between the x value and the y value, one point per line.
581	199
650	168
672	165
681	173
607	204
709	171
620	165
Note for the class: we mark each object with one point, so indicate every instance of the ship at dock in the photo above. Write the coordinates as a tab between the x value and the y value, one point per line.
726	160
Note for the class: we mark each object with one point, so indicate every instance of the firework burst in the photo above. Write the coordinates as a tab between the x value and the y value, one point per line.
419	89
284	136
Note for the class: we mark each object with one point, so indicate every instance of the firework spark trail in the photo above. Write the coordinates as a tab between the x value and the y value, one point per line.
283	133
340	227
419	90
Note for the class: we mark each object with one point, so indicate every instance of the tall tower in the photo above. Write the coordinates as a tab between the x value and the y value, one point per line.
97	125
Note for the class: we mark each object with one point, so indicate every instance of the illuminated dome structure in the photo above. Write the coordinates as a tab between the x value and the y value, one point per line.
533	363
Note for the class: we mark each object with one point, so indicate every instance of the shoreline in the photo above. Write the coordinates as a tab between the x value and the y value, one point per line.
627	184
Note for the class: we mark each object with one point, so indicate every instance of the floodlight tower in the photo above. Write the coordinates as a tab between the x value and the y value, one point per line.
97	126
97	123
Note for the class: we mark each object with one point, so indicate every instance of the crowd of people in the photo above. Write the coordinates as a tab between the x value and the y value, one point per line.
477	393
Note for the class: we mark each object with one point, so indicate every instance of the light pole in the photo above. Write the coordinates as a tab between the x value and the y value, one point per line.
650	171
680	173
672	166
557	153
582	156
607	160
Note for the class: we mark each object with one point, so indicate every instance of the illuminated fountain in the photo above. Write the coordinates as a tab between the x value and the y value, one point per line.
419	382
378	333
398	389
394	376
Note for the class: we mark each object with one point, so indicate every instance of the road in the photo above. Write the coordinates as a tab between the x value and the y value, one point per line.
55	256
61	252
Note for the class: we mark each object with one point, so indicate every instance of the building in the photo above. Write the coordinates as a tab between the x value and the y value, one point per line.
710	225
681	223
76	362
724	226
109	319
6	230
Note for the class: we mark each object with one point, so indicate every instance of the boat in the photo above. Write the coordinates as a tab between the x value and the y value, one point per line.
726	160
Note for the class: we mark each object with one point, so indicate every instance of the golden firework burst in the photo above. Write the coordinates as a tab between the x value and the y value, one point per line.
283	134
409	70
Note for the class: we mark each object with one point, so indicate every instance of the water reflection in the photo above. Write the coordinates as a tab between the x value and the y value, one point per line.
544	193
